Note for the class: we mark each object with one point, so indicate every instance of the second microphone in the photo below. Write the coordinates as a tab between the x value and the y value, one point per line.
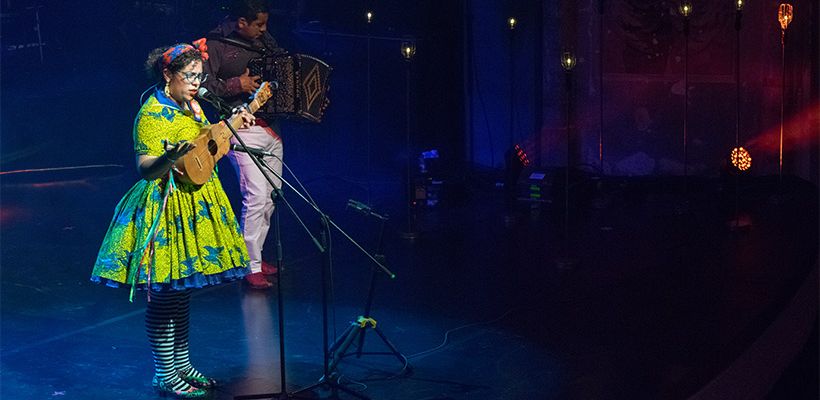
252	150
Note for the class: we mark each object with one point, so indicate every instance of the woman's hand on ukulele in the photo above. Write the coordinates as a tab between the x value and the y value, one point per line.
174	152
248	119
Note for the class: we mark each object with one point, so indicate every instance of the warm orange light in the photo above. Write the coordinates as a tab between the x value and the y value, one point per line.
741	159
785	15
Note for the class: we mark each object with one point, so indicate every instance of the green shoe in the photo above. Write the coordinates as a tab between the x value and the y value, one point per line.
201	382
190	393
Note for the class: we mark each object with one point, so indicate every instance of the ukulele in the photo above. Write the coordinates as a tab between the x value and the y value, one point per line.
213	142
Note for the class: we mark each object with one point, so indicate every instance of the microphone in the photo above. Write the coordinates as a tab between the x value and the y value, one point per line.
252	151
215	100
364	209
359	206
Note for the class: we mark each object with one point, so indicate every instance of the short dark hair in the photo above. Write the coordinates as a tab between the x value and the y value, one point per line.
154	67
248	9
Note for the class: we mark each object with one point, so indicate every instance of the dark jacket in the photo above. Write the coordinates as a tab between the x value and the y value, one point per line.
226	61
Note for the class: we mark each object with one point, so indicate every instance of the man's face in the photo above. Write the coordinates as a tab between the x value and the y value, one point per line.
252	29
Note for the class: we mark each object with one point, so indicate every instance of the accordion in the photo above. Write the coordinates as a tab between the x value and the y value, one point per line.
302	86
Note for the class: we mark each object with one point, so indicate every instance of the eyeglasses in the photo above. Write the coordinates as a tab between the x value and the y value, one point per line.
190	77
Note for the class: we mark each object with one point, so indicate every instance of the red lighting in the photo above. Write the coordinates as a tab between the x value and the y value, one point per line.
10	214
522	155
800	132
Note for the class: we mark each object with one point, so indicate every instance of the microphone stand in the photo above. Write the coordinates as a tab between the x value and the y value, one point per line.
277	195
357	329
326	223
327	379
328	365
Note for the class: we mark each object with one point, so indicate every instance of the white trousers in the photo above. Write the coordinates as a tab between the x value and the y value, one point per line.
257	204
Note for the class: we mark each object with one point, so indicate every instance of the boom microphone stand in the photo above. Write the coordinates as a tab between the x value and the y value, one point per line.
277	194
326	381
358	329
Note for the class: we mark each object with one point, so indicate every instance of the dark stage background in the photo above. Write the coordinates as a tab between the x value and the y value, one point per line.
666	296
643	50
91	76
468	67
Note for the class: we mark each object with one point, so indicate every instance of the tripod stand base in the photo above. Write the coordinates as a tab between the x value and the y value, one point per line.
356	331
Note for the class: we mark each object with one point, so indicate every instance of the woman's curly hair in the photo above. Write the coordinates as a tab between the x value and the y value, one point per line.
154	67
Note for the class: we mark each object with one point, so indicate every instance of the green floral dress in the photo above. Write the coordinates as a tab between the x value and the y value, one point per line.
197	241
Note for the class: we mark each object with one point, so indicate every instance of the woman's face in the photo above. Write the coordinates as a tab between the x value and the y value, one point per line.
183	85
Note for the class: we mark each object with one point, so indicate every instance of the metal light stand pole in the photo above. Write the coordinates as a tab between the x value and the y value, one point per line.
511	55
408	51
600	201
568	61
685	10
369	16
738	17
569	158
601	86
784	15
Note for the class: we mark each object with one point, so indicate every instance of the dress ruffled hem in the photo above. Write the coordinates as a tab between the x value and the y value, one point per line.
195	281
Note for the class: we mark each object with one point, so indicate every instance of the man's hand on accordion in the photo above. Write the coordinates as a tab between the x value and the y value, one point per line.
249	83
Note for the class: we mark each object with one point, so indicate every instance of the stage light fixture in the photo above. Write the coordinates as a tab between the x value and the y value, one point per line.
369	16
568	61
741	158
408	50
522	155
785	15
685	9
512	21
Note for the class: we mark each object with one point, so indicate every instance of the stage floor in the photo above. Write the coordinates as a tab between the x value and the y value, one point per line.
662	299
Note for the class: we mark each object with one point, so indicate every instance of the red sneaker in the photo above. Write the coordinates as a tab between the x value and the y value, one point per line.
257	281
269	269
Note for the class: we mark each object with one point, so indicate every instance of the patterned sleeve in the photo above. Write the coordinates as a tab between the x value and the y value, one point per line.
150	129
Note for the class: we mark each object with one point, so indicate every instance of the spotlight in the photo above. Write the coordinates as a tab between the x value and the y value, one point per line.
741	159
512	22
685	9
568	61
739	5
785	15
408	50
369	16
